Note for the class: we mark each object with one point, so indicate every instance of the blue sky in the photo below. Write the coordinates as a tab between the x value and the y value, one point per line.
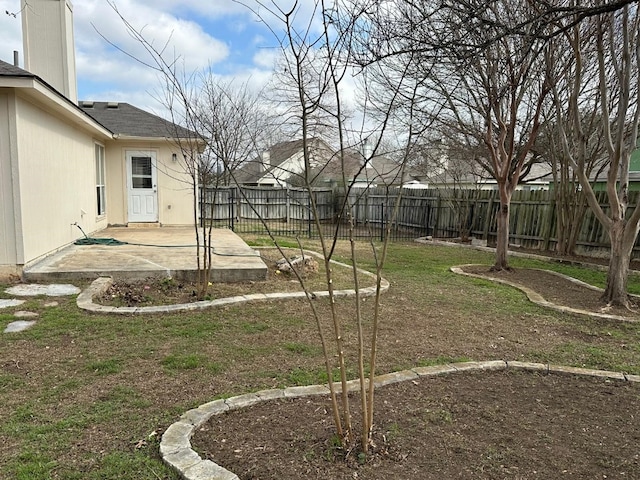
220	33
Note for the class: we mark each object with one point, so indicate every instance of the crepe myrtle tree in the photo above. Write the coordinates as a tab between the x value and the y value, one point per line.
602	70
480	75
570	199
224	124
494	96
313	39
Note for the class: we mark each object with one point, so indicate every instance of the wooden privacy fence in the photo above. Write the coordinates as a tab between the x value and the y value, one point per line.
439	213
251	209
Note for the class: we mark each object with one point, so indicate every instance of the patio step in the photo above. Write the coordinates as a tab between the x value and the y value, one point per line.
144	225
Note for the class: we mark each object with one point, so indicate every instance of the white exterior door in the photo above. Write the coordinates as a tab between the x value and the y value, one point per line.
142	191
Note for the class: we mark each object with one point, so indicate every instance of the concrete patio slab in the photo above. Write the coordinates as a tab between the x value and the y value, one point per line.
159	252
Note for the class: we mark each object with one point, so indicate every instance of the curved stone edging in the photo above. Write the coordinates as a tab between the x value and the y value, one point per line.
100	285
175	445
538	299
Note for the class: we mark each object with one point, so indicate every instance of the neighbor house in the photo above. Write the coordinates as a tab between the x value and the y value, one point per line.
65	165
283	165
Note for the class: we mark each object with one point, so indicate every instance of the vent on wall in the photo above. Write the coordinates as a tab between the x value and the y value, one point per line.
112	104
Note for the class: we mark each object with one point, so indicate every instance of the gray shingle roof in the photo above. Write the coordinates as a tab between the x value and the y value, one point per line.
125	119
8	70
121	118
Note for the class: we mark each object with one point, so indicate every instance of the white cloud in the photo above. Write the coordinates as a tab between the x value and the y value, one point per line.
266	58
191	28
182	38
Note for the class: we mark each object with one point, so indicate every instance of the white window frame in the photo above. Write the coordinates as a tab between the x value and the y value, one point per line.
101	181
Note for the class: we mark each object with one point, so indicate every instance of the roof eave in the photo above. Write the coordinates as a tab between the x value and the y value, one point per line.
122	136
34	88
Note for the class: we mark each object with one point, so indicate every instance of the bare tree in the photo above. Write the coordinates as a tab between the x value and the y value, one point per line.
224	127
480	82
570	199
616	51
235	121
574	89
316	60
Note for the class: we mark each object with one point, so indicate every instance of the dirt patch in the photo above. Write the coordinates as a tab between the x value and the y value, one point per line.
171	291
556	289
481	425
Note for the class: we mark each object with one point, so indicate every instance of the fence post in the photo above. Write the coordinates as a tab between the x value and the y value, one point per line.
309	193
548	225
382	222
437	219
202	208
287	207
487	221
231	201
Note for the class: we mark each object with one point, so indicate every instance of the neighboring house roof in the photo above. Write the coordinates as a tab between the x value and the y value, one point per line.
126	120
326	166
270	166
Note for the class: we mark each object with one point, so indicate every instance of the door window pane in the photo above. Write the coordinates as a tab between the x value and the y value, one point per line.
141	175
141	182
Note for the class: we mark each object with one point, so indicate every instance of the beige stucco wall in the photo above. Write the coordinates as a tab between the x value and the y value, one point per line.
175	198
57	181
48	180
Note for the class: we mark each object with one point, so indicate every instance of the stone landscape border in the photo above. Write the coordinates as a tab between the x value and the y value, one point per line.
100	285
175	444
538	299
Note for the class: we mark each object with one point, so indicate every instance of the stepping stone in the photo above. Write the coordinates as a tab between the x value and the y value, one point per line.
4	303
19	325
53	290
51	304
25	314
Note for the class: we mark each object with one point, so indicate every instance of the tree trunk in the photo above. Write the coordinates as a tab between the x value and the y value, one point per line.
502	241
616	290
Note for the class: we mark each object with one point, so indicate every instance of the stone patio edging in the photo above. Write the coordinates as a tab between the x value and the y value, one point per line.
538	299
100	285
175	444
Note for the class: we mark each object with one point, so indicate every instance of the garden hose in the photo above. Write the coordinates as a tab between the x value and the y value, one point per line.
87	240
